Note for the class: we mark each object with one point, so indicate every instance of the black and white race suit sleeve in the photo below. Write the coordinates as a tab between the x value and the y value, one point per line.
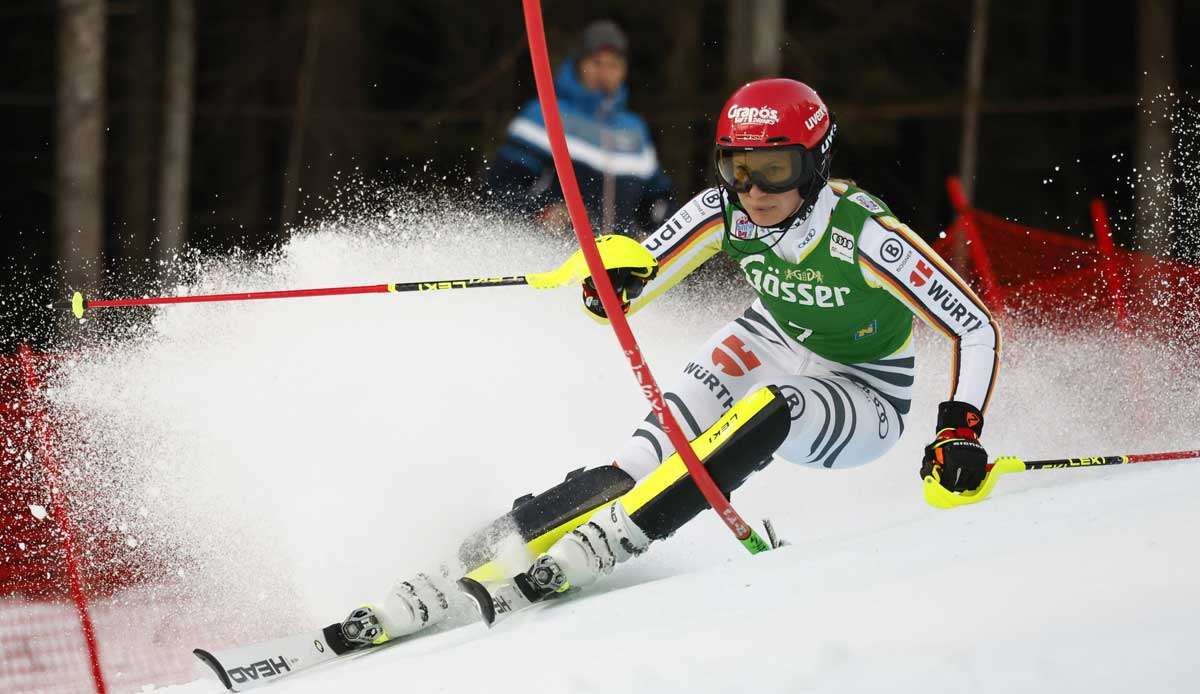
683	243
894	257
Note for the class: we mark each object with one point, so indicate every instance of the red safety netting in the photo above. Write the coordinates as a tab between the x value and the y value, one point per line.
33	560
1051	278
141	639
30	546
76	614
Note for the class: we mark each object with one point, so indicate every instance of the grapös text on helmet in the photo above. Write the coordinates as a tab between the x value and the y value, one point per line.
752	115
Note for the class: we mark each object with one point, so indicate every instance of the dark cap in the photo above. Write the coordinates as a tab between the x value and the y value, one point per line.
603	34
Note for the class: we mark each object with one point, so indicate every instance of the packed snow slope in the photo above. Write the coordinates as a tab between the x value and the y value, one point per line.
284	461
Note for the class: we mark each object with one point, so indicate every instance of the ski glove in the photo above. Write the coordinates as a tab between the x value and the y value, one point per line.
955	454
628	282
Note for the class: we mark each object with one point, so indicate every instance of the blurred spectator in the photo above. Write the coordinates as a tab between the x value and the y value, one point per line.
615	162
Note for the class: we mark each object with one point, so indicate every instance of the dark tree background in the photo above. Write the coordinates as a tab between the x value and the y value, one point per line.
289	100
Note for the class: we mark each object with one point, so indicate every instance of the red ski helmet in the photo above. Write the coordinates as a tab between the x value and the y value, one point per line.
778	134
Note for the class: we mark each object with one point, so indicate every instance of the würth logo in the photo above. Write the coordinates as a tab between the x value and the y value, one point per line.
918	277
730	366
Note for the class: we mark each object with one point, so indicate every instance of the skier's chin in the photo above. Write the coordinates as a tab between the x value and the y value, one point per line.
768	215
764	218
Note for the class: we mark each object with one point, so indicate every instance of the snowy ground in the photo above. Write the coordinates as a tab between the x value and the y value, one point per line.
290	459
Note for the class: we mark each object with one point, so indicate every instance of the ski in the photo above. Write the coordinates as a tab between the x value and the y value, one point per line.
246	667
540	524
243	668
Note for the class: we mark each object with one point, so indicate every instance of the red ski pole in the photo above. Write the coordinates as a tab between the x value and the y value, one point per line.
79	304
620	251
938	496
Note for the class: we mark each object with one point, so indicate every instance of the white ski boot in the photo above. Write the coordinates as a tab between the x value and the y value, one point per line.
595	548
575	561
411	606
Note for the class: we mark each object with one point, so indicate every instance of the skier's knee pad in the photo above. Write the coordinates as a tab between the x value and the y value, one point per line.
534	517
742	442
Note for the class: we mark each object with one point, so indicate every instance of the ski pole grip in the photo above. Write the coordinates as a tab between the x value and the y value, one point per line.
939	497
616	251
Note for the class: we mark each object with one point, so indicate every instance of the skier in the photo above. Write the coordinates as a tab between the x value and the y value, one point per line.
821	363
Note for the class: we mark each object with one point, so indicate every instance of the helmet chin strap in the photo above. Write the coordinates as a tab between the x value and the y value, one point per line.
807	202
778	231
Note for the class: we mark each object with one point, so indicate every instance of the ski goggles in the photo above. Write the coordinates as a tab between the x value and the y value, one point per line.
775	170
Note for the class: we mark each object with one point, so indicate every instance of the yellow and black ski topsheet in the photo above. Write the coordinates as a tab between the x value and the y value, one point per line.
742	441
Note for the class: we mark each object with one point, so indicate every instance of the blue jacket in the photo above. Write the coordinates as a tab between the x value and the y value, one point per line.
605	139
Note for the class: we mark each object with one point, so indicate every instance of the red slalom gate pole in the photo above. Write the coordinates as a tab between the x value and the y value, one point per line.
544	79
58	508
